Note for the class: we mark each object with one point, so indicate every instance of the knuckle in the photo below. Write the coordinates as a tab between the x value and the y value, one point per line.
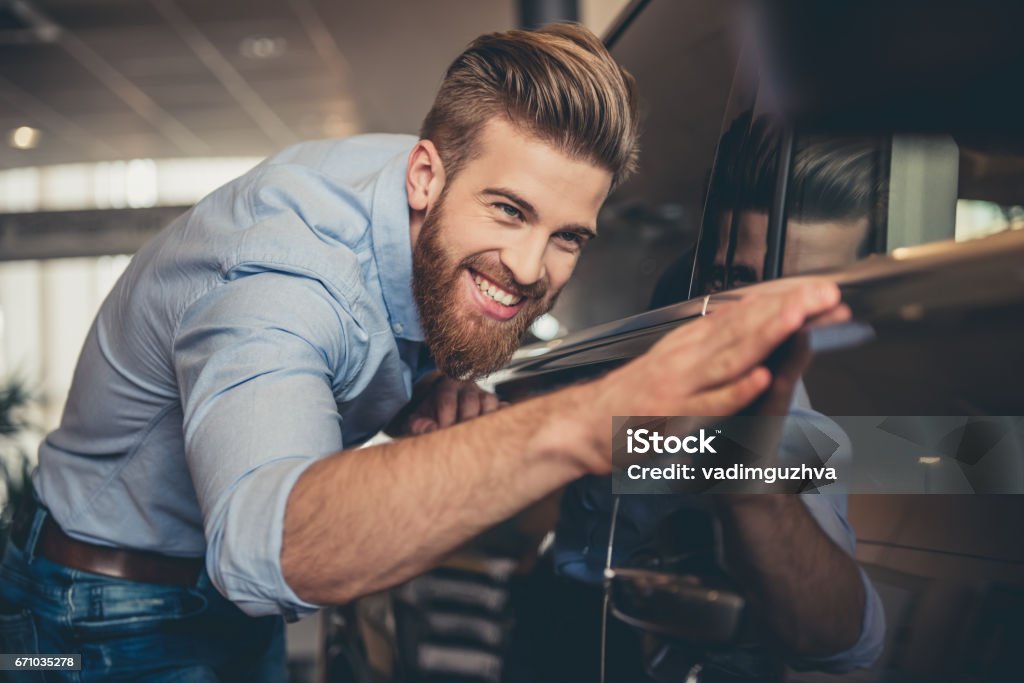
723	365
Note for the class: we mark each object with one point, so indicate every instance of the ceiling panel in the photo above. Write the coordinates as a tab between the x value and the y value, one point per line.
169	78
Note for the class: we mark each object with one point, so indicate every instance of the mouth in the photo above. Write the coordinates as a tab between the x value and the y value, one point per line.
493	300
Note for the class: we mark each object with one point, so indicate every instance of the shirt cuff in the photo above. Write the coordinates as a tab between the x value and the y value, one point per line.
244	540
865	652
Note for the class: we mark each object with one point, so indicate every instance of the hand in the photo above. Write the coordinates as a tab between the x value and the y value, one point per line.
715	366
791	360
439	401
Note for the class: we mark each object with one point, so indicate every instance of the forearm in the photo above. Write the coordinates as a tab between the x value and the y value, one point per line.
361	521
804	587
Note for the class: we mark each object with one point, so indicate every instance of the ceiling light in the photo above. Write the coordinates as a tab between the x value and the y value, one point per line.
263	47
24	137
338	126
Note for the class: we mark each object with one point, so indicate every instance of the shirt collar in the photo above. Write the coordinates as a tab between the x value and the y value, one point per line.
392	248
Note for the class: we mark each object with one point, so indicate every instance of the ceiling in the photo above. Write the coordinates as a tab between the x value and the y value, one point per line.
122	79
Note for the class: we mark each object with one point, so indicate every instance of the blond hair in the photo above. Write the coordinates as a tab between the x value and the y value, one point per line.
558	83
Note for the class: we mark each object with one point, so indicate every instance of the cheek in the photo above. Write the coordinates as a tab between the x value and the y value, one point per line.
473	235
559	265
752	255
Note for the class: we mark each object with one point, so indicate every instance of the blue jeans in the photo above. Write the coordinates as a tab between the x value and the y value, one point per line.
127	630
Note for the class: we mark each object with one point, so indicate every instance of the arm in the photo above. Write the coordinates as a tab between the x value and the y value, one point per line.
254	361
804	586
794	554
406	504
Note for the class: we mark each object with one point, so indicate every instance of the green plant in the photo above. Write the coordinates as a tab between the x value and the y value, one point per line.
15	399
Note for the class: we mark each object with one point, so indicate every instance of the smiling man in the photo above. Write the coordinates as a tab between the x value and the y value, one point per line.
204	481
525	212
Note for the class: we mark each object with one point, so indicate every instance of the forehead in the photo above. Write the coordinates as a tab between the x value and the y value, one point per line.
509	157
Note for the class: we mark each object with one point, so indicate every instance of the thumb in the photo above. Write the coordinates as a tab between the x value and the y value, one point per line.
422	425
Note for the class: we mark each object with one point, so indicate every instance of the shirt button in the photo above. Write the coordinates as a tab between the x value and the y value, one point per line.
397	327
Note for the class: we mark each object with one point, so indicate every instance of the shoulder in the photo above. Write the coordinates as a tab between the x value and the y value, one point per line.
326	188
292	314
344	157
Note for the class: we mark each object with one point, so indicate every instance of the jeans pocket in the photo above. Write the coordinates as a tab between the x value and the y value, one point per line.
18	636
138	613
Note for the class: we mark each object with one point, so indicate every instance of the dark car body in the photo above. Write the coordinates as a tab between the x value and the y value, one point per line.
937	301
739	102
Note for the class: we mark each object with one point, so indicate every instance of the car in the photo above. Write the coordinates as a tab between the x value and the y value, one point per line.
867	141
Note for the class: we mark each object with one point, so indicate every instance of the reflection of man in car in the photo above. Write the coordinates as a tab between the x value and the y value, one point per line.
833	196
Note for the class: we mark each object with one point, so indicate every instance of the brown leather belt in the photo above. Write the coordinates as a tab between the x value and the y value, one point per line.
122	563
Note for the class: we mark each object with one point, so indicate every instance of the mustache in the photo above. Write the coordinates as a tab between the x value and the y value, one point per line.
505	279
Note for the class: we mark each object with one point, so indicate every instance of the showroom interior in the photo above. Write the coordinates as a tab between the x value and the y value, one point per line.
877	145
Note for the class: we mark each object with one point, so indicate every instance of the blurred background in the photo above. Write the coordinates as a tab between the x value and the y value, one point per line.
116	115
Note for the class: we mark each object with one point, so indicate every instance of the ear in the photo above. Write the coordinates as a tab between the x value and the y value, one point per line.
424	178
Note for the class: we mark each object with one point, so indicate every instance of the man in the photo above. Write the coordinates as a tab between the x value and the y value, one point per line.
203	481
834	197
834	192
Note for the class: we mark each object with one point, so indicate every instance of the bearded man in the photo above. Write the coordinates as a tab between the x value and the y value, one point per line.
204	480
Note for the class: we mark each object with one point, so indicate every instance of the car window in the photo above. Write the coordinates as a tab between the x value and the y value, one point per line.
835	208
990	191
896	191
849	196
683	56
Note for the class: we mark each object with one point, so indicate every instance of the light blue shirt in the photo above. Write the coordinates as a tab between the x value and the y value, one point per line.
581	538
271	325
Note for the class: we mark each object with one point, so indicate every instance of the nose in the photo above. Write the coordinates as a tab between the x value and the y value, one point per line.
525	258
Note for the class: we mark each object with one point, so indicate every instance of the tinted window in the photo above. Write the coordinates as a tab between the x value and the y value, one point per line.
990	196
683	56
943	187
836	201
835	208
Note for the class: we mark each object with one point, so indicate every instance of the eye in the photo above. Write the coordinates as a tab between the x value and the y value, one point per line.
508	210
570	237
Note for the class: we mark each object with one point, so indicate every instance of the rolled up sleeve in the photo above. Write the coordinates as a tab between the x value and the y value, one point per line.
258	361
829	511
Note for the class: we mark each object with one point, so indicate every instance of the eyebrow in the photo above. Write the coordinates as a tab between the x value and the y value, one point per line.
531	212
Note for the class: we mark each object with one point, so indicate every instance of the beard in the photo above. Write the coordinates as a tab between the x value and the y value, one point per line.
464	343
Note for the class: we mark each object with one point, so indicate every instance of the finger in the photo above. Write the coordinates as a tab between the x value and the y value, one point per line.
795	360
776	287
839	314
727	323
422	425
818	296
779	314
795	357
469	403
489	403
730	398
754	328
447	402
750	333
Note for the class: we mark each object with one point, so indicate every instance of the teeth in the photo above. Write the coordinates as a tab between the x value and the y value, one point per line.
494	292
